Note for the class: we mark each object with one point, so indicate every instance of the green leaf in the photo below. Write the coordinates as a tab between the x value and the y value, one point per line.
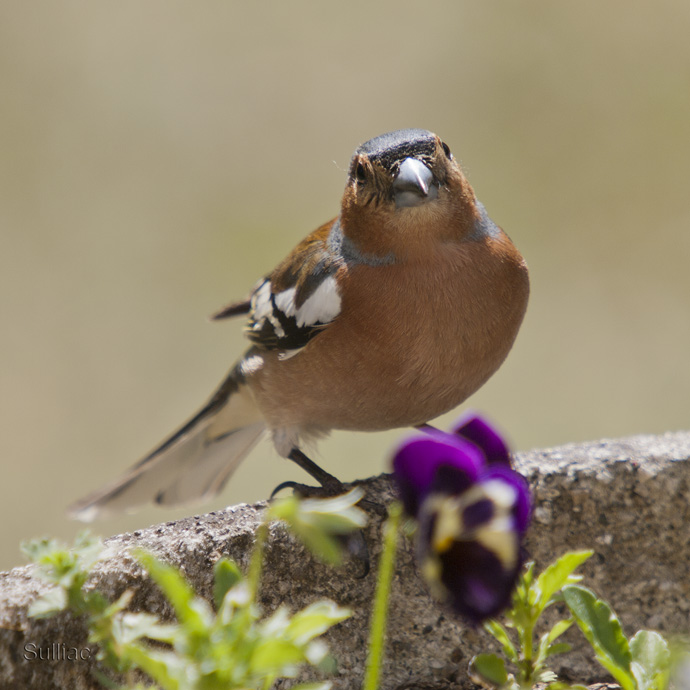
545	676
89	549
488	668
558	648
640	676
651	654
602	629
341	513
60	565
547	647
557	575
328	665
528	575
523	587
318	521
226	575
315	620
53	601
276	656
235	599
501	634
316	652
322	545
558	629
276	624
193	612
168	669
131	627
286	642
306	528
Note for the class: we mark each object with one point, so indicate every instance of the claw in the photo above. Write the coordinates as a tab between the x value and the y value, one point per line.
285	485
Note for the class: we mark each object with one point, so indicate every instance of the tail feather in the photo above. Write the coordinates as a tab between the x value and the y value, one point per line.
193	464
213	467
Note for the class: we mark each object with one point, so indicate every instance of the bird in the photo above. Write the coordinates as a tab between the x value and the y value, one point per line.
387	316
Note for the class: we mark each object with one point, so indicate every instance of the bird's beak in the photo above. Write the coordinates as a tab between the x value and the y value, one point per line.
414	184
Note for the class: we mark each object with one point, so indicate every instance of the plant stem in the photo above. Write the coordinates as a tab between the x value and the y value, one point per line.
377	631
256	562
528	650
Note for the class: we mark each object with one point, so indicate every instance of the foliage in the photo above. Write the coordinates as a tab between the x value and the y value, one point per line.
529	656
320	523
645	662
231	647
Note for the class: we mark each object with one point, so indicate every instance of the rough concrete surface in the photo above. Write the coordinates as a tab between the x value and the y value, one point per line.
628	499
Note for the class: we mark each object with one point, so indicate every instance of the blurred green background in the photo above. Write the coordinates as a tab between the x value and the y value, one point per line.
158	157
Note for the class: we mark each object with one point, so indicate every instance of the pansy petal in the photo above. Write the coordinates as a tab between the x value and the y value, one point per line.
477	430
469	545
478	513
470	578
418	459
522	509
451	479
472	511
478	585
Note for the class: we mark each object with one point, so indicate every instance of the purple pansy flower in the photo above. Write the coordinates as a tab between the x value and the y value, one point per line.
472	511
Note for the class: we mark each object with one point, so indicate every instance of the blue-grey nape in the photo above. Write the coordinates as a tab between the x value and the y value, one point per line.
343	246
393	147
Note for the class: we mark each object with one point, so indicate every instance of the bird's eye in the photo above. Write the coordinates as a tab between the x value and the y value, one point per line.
360	173
446	150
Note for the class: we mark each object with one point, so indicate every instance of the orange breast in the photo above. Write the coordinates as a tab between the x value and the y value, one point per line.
412	341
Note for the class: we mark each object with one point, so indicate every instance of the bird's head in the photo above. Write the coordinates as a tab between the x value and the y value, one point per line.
405	190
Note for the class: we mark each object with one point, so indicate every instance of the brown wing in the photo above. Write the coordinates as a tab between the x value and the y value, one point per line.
297	300
233	309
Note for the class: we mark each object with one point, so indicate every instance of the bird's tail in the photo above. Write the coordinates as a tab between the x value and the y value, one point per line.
192	464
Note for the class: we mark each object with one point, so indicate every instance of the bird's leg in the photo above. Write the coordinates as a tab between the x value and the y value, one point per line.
355	543
330	485
327	481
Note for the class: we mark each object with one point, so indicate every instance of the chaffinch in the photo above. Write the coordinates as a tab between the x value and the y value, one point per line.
387	316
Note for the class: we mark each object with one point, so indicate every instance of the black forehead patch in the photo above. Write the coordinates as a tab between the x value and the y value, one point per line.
392	147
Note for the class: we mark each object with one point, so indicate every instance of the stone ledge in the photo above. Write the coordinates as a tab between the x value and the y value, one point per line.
628	499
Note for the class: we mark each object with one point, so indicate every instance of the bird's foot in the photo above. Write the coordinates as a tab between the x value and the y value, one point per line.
355	543
306	491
